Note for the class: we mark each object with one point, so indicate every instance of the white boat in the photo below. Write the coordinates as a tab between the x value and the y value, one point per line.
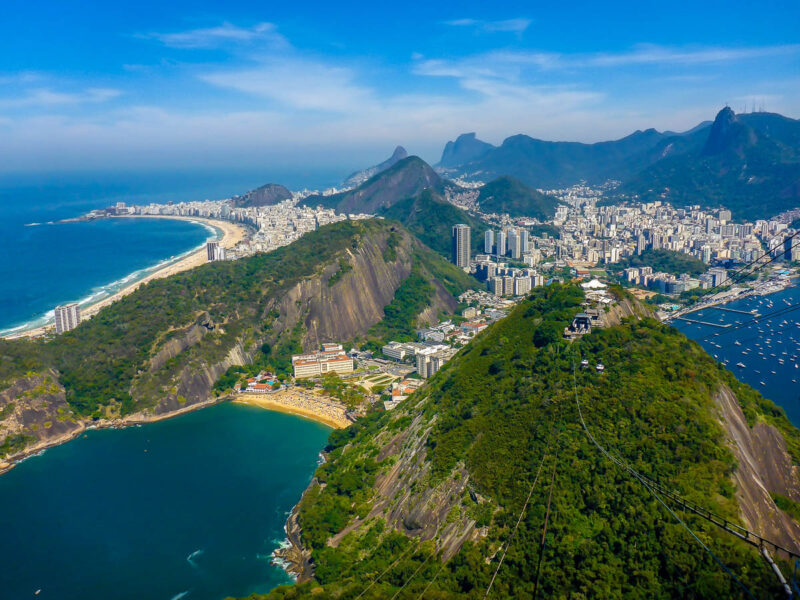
740	365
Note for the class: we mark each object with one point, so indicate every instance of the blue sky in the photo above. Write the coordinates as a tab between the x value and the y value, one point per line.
159	85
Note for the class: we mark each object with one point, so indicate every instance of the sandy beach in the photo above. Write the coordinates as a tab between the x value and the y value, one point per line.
232	234
304	403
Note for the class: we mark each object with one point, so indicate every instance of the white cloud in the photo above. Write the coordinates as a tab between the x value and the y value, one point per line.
501	63
297	83
226	33
652	54
518	25
47	98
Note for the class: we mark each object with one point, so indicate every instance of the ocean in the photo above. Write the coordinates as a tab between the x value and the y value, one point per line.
190	508
49	264
187	508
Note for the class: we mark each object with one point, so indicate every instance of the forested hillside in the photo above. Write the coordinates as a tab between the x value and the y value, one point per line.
163	347
487	477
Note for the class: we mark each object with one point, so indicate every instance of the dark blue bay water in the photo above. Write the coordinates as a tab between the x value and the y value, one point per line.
769	349
192	505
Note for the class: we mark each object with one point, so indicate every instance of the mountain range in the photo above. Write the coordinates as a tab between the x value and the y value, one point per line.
412	193
749	163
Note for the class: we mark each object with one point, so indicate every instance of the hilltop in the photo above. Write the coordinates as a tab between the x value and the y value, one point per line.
464	149
359	177
412	193
404	179
545	164
511	196
470	475
164	348
748	163
266	195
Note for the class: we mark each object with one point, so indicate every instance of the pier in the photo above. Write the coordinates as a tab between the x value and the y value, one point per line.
720	325
734	310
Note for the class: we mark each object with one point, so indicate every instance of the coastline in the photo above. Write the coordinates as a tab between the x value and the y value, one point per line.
303	404
82	426
232	234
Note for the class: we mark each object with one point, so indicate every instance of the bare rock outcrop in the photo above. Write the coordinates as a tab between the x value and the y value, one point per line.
764	466
34	415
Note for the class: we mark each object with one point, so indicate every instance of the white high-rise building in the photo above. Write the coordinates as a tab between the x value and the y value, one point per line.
525	236
215	251
461	245
488	241
501	243
211	250
68	316
514	243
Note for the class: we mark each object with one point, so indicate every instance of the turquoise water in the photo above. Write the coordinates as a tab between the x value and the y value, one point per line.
190	507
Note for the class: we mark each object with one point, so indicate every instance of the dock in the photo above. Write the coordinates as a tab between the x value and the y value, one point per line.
734	310
720	325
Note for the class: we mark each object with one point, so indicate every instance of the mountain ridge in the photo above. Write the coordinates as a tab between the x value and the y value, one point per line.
436	487
359	177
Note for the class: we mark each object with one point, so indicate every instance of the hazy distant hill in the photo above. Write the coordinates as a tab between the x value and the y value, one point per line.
431	218
410	192
266	195
510	195
360	177
405	179
544	164
749	163
464	149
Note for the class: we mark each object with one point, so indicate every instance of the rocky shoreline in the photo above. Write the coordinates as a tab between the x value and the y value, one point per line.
294	558
82	426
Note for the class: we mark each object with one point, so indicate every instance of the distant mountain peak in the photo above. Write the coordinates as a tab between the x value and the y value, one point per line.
359	177
465	148
399	154
728	134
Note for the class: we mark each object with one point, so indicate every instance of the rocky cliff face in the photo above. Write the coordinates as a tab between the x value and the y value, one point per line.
34	414
764	467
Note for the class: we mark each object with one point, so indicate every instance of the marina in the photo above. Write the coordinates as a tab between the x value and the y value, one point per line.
762	351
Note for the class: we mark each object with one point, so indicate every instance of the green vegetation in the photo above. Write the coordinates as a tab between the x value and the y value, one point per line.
545	228
501	407
788	506
747	163
344	268
107	357
349	393
14	443
400	315
509	195
665	261
431	218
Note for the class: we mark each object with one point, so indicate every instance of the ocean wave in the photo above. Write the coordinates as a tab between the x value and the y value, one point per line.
109	289
180	595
